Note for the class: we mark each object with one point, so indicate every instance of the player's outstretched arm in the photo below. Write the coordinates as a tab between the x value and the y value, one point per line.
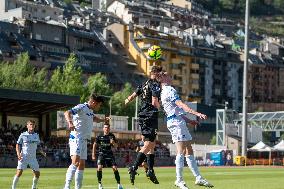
130	98
186	108
99	120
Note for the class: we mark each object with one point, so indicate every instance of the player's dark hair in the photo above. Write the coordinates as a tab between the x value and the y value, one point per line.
156	69
97	98
107	123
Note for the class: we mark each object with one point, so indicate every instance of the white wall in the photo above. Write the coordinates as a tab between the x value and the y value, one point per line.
121	11
17	13
21	120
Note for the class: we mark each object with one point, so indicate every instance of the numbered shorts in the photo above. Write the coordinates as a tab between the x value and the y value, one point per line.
31	162
149	127
78	147
179	131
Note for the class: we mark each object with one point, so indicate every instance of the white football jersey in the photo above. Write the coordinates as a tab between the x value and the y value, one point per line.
29	142
168	98
83	120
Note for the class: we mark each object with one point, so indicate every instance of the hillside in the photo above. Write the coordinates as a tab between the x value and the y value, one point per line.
266	16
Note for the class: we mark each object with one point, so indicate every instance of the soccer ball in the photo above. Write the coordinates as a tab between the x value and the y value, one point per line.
154	52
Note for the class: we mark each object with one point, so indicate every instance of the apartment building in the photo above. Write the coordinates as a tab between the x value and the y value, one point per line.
10	9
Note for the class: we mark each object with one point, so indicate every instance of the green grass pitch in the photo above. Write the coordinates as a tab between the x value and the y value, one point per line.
221	177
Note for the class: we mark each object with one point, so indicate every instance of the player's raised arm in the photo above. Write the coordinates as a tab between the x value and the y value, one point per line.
186	108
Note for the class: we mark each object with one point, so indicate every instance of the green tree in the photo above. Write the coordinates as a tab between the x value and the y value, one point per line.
279	4
68	2
22	75
67	80
118	107
227	4
98	84
282	136
213	140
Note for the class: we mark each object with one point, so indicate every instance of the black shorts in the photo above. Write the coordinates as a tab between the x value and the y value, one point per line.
149	127
106	160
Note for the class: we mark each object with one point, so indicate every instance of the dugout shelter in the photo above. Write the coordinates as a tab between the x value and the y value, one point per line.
30	104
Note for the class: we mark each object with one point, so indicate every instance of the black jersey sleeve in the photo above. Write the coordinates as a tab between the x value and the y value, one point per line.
139	90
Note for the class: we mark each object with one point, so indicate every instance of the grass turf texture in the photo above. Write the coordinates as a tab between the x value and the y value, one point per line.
221	177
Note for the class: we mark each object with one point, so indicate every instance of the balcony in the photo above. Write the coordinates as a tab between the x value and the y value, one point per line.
185	52
169	48
177	82
194	76
177	72
146	46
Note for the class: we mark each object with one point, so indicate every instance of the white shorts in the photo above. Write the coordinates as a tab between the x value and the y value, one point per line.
179	131
78	147
32	162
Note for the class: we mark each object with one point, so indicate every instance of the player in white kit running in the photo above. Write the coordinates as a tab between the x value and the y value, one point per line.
26	151
176	123
80	121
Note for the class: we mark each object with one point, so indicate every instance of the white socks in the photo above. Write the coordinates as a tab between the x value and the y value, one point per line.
78	178
193	166
69	175
15	181
179	166
35	179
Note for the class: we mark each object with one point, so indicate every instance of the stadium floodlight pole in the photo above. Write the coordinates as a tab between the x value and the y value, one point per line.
245	96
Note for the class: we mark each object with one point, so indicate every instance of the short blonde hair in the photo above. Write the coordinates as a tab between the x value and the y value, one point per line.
31	121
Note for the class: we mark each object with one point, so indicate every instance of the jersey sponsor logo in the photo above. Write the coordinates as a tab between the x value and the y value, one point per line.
90	114
71	136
